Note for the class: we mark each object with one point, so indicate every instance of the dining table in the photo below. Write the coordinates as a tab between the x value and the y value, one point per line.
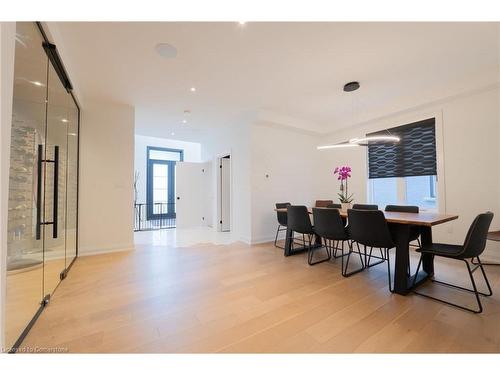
400	223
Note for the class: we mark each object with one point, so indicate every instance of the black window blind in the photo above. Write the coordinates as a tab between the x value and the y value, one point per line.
413	155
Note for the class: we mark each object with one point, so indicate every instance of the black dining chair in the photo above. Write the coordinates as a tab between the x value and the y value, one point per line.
414	229
329	226
338	206
369	228
361	206
473	247
282	221
300	222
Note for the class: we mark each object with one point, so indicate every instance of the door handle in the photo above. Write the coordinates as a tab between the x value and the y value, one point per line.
56	191
39	193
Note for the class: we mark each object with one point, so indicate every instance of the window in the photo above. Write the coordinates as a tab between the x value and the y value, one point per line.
161	181
406	172
415	191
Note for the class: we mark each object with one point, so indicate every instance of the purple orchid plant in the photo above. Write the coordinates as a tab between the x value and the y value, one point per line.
344	173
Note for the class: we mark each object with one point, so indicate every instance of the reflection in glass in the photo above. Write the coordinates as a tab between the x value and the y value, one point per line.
55	182
72	182
24	250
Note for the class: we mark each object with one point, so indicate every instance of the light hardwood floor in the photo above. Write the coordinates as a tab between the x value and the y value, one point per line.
239	298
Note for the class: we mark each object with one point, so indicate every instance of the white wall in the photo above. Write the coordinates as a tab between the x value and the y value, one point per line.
236	141
7	50
192	153
470	134
106	177
286	167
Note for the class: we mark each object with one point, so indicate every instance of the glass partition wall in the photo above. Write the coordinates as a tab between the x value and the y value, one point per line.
43	181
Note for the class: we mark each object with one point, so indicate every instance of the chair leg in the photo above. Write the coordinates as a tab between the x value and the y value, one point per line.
344	270
490	292
474	290
310	253
484	264
368	265
276	238
335	248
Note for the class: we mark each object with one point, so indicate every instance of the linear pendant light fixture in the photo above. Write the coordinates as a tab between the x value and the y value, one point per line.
378	138
365	141
338	145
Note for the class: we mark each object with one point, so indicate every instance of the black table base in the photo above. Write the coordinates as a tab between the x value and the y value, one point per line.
401	235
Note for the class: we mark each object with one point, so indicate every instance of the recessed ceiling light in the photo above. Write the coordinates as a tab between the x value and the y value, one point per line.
193	89
184	121
172	133
166	50
64	120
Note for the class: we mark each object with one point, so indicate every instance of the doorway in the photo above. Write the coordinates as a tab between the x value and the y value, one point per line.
224	193
160	188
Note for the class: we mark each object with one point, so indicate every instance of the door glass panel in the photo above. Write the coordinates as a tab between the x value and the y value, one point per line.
164	155
160	188
72	182
55	182
24	250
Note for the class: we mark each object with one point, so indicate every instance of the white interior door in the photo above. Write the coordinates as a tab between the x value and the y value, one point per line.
192	188
225	192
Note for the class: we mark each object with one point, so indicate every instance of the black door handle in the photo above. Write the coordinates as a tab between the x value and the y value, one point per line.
39	193
56	191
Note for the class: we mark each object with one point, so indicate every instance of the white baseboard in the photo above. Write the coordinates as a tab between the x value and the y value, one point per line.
264	239
87	251
245	239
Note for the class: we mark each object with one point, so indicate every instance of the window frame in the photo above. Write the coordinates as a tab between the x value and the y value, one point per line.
171	182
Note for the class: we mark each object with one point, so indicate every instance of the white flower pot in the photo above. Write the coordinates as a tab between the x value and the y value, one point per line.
345	206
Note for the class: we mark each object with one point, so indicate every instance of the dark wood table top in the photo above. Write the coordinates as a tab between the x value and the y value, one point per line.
494	236
422	218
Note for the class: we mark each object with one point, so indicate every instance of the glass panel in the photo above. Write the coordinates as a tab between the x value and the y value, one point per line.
164	155
55	200
160	195
421	191
24	250
384	191
160	170
72	181
160	185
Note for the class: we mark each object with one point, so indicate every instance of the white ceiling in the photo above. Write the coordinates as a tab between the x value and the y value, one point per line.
287	72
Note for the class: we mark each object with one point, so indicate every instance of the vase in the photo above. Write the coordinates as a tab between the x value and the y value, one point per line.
345	206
